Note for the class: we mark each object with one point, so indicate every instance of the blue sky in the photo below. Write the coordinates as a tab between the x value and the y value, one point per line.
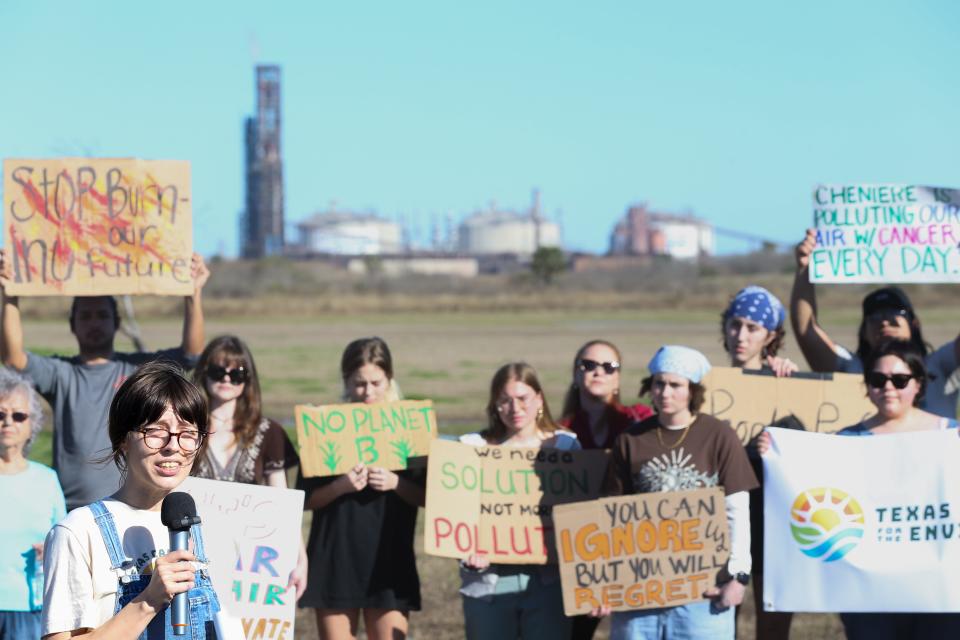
730	110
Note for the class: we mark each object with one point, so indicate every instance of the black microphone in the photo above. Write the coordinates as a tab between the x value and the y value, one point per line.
178	513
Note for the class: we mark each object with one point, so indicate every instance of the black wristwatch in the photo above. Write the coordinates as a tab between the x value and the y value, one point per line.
742	578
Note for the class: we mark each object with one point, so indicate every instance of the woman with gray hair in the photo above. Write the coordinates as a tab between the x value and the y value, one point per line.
35	504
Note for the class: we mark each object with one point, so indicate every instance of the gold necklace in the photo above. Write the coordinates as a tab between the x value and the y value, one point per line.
683	436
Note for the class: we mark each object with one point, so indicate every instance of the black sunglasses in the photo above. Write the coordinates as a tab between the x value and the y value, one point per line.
16	416
887	315
878	380
238	375
589	365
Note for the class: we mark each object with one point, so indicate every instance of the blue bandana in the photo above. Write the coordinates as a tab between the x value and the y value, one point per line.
682	361
759	305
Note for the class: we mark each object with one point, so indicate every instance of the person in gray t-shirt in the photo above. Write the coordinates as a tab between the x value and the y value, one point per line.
80	388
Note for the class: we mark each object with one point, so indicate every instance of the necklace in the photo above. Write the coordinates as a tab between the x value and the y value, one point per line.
683	436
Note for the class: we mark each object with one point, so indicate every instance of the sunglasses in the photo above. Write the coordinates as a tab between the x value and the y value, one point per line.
878	380
237	376
16	416
589	365
887	315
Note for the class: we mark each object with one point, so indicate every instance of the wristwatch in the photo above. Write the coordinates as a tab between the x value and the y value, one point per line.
742	578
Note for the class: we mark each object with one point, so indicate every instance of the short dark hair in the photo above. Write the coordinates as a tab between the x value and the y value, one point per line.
906	351
113	307
144	397
698	392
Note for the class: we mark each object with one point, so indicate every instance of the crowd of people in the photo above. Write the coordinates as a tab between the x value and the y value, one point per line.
87	552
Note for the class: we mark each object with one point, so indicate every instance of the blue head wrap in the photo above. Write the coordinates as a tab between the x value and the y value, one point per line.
759	305
681	361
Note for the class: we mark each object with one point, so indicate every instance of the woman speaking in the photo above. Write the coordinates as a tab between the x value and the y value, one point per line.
109	570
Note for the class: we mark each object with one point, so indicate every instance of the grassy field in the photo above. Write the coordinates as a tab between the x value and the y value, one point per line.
450	357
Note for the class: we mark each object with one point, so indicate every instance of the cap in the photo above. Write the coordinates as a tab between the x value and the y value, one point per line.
886	298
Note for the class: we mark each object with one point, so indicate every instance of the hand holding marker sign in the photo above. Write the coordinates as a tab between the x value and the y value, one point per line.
886	233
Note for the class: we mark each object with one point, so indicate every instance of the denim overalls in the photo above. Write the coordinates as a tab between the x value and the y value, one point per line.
203	601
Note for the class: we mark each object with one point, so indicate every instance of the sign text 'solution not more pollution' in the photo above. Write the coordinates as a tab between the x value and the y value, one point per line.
886	233
499	500
84	226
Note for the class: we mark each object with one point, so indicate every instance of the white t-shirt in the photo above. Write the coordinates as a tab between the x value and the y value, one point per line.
81	589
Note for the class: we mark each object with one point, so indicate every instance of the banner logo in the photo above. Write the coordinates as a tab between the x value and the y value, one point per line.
826	523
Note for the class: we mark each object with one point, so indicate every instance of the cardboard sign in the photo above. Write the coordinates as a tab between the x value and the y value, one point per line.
498	500
335	438
641	551
83	226
886	233
252	536
751	401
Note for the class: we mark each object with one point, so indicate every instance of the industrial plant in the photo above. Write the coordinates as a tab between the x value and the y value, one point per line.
490	239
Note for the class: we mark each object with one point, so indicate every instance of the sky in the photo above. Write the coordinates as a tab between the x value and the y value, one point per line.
731	111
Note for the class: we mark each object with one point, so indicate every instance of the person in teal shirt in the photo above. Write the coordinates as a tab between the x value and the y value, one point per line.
33	504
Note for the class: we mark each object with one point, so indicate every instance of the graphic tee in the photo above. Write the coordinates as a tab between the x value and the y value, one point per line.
710	455
81	588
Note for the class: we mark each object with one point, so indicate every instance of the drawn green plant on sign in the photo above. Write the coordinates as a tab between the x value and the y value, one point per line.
403	450
330	458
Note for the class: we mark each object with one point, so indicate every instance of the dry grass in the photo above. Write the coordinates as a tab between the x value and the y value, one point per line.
450	357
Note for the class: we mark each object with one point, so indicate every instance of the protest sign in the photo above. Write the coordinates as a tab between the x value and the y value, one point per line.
750	401
498	500
862	524
335	438
252	539
886	233
641	551
84	226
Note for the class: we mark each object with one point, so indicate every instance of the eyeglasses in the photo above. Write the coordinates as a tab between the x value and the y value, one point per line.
157	439
237	376
878	380
589	365
16	416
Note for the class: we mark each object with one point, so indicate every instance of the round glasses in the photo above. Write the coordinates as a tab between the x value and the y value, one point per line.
156	439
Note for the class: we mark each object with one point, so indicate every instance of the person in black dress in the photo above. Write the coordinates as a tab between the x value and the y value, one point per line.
360	548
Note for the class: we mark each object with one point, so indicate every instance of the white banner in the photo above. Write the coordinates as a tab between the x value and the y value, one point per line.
862	523
885	233
252	538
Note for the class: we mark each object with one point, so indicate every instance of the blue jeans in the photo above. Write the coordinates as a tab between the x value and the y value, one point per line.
19	625
203	602
695	621
529	609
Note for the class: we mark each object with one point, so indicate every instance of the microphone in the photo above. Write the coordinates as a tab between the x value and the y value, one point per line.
178	513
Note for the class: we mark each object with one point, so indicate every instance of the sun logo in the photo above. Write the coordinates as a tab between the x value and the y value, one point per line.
826	523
